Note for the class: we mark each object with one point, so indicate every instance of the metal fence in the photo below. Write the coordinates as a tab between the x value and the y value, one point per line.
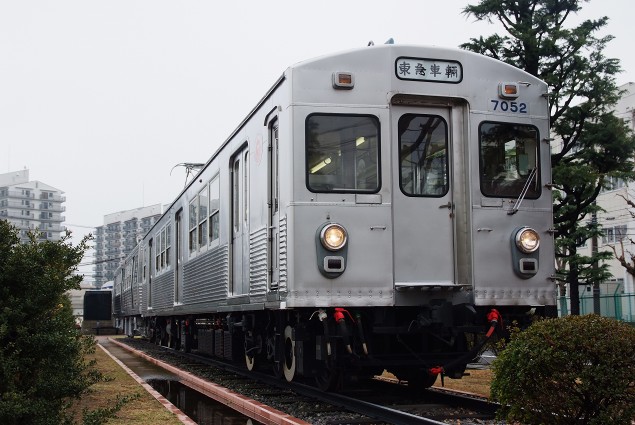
616	306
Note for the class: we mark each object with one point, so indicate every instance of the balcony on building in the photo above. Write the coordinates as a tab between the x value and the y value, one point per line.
21	194
49	206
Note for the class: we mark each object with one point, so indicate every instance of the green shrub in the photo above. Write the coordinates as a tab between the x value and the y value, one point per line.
571	370
43	370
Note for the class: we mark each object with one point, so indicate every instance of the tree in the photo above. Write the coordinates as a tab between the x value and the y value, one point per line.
605	149
592	144
42	366
570	370
625	257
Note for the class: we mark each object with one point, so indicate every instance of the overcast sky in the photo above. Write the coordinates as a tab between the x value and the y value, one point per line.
101	99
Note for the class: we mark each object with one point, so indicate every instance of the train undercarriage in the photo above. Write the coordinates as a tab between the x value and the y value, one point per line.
334	345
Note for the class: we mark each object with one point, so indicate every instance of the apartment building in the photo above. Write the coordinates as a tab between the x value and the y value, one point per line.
118	236
31	206
618	227
617	221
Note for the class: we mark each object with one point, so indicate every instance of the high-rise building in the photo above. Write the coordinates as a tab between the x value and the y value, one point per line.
118	236
31	206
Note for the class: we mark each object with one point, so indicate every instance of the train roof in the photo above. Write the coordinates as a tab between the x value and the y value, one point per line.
367	58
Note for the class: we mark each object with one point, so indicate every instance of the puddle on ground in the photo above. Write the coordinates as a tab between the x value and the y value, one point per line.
199	407
202	409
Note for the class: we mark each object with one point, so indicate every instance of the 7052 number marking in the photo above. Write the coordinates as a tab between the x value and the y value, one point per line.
505	106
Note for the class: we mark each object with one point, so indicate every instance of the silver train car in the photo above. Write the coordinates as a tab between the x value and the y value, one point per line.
386	208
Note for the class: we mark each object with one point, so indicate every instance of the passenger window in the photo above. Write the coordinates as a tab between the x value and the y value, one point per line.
508	156
163	241
202	217
162	253
168	243
423	155
342	153
214	209
193	225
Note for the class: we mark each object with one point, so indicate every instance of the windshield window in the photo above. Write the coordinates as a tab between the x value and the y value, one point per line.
508	155
342	153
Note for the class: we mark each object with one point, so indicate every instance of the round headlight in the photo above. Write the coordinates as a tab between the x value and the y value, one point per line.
333	237
527	240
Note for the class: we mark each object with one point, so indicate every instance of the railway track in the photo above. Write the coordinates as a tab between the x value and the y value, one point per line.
373	402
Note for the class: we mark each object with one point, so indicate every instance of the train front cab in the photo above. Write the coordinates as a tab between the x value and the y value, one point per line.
446	242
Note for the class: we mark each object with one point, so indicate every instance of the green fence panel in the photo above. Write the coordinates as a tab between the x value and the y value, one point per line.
617	306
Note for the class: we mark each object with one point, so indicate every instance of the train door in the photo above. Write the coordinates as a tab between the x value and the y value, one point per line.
140	274
133	281
149	257
423	205
178	255
240	223
274	210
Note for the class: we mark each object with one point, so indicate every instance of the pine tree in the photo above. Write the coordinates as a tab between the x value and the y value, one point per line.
590	144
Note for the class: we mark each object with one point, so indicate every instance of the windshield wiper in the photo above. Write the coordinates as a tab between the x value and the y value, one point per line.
523	193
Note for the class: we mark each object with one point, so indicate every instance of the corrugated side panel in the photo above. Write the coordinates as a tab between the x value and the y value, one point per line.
118	304
258	263
163	291
206	277
127	300
282	232
129	307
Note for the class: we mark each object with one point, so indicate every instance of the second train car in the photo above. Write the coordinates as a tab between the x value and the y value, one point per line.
385	208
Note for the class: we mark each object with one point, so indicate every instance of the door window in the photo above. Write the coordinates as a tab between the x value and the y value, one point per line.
423	155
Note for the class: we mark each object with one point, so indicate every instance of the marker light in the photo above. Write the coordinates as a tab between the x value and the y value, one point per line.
527	240
343	80
333	237
508	90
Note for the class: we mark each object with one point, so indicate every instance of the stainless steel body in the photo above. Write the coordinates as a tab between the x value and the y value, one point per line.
397	145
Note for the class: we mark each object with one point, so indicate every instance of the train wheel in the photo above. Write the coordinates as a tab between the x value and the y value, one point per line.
288	366
253	346
250	362
328	376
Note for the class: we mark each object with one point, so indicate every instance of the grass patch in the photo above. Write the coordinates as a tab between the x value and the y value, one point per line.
142	411
478	382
